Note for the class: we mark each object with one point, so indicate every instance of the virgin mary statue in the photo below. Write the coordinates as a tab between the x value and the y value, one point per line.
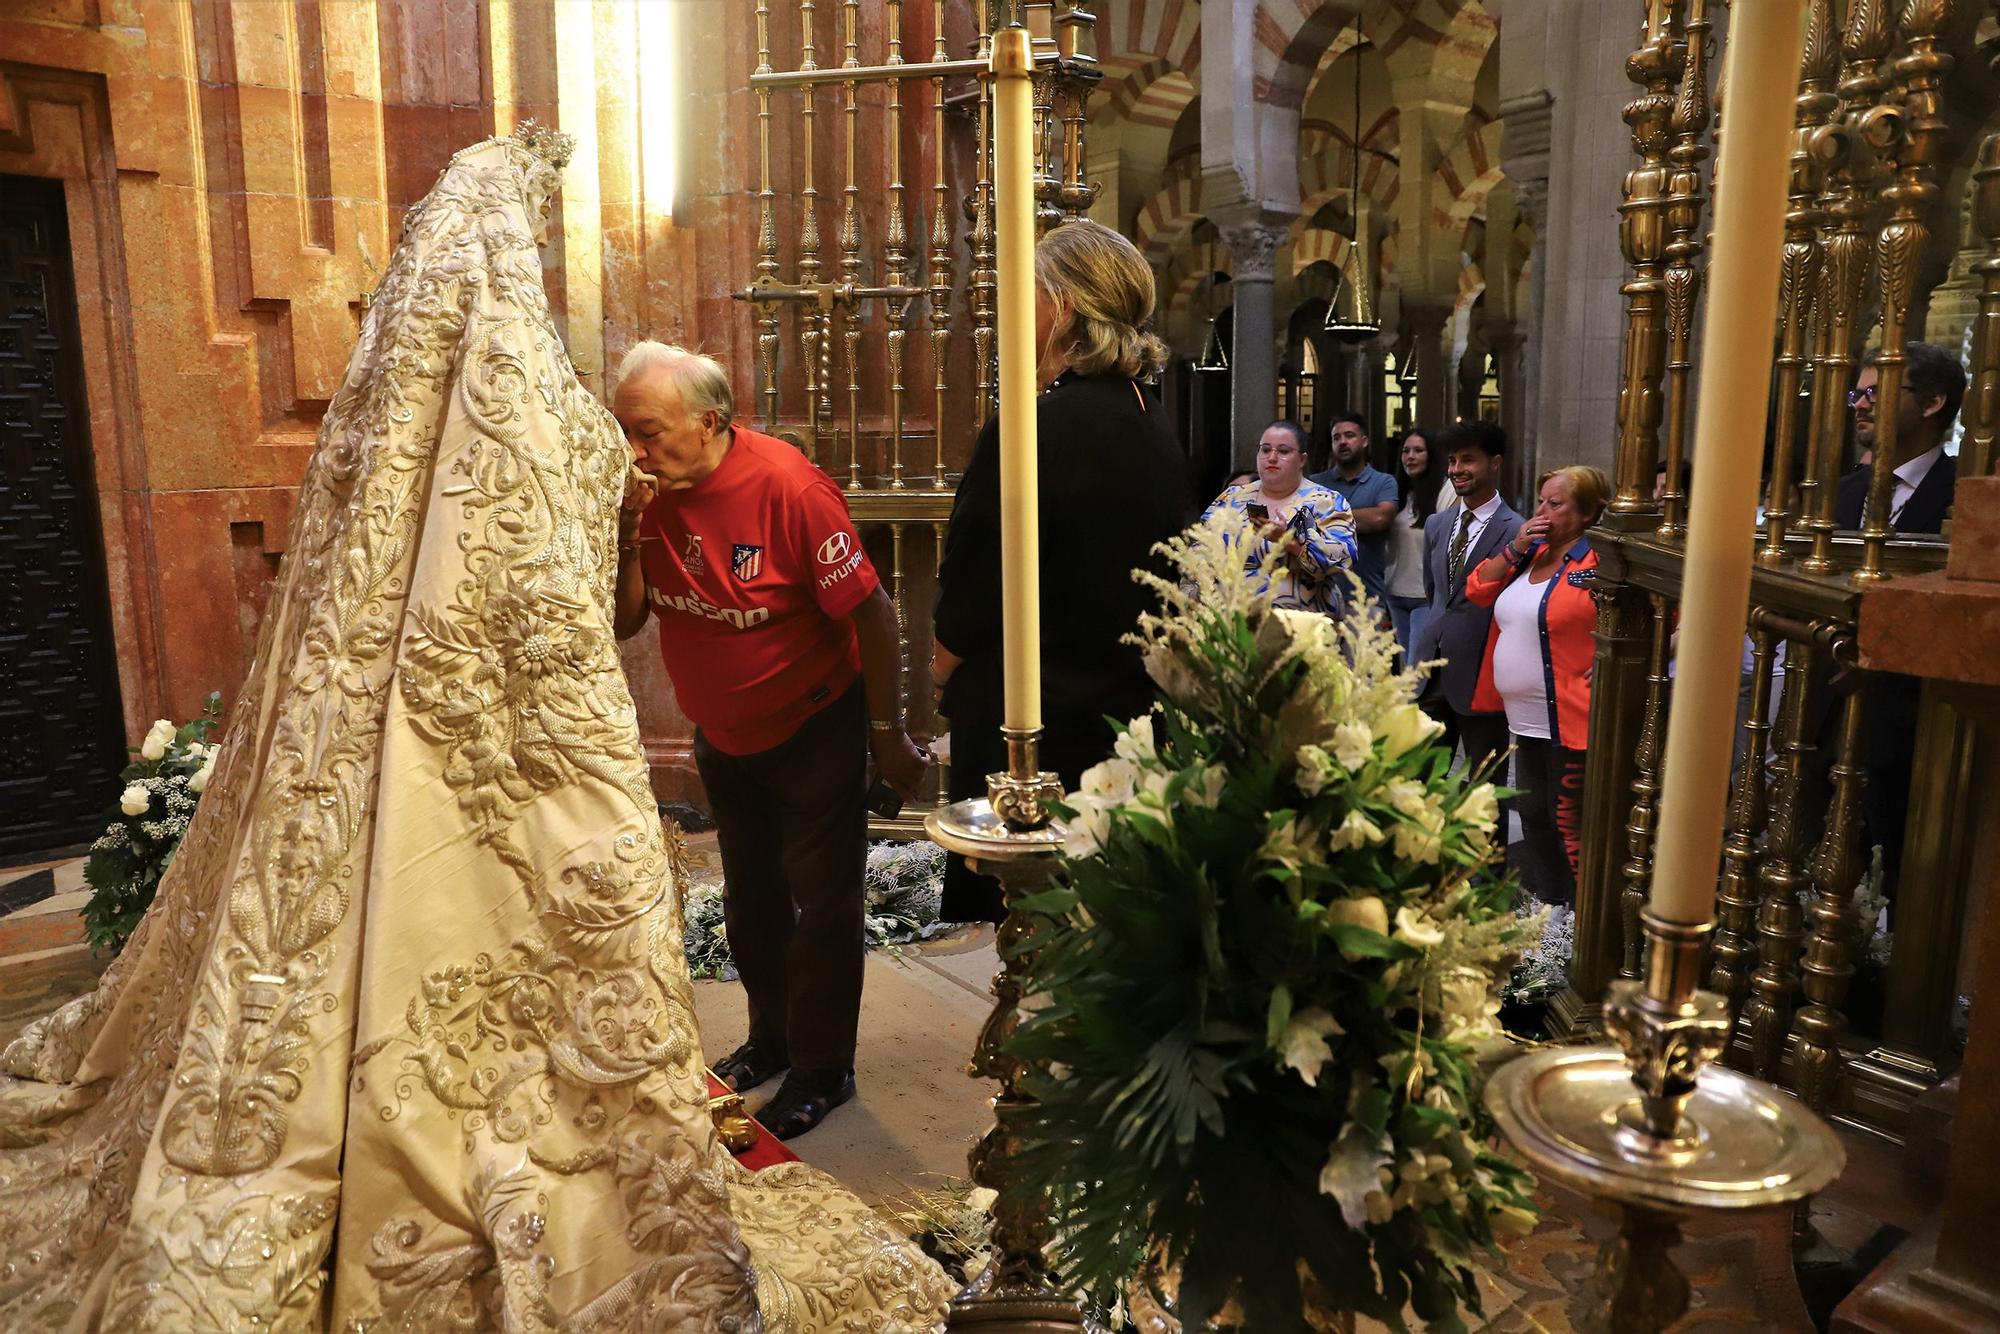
406	1041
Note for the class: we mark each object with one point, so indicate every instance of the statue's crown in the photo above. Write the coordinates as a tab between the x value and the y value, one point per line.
545	142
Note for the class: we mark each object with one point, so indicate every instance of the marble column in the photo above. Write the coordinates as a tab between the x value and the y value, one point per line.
1510	351
1253	358
1428	322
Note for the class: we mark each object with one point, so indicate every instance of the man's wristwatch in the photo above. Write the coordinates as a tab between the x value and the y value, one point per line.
885	724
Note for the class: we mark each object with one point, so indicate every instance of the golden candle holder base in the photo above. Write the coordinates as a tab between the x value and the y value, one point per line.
1013	1295
1652	1128
1022	795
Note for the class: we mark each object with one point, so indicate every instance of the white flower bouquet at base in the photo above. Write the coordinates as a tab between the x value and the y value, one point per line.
163	784
1256	993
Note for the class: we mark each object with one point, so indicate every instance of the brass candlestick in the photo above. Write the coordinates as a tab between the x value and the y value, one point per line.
1654	1127
1008	834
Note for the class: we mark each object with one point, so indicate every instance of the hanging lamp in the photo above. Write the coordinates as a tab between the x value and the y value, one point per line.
1214	356
1359	324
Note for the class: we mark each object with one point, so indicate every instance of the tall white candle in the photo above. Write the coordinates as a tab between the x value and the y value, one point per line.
1760	80
1020	535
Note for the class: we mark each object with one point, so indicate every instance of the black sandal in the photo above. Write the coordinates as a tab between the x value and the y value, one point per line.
804	1100
748	1066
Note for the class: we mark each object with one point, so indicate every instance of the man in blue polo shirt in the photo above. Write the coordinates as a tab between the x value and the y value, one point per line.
1371	494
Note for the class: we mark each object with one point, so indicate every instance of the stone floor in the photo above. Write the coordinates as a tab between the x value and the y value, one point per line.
917	1113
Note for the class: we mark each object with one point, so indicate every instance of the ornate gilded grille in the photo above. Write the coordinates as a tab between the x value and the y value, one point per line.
873	295
1860	270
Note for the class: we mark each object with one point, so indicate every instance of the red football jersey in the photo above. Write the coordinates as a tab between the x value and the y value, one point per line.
754	572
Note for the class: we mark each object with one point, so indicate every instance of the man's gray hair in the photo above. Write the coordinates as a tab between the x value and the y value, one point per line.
700	379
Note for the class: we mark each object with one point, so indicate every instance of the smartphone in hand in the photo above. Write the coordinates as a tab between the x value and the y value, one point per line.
1259	511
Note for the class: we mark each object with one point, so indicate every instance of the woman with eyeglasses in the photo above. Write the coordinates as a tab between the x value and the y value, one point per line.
1283	501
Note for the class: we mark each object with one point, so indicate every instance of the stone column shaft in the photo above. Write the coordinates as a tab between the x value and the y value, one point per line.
1253	359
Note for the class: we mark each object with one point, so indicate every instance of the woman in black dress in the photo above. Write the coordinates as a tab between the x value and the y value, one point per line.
1113	483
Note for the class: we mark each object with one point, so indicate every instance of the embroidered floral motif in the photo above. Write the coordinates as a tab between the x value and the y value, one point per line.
422	935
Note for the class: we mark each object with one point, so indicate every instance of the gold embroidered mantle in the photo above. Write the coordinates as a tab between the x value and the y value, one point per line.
406	1042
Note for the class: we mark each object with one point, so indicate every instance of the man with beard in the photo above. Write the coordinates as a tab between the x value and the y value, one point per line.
1927	403
1456	541
1371	494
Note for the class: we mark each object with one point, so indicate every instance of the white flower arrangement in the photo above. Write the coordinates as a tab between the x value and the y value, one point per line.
162	787
1282	938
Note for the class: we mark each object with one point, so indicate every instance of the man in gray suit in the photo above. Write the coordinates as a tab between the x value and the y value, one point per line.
1456	540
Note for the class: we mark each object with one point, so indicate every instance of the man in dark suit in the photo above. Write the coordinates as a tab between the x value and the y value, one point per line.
1933	387
1456	540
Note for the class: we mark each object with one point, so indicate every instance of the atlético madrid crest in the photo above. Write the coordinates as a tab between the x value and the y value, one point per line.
746	563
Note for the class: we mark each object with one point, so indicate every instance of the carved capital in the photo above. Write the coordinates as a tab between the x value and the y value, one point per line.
1254	248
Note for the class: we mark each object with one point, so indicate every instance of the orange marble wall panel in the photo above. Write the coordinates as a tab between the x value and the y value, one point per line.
214	553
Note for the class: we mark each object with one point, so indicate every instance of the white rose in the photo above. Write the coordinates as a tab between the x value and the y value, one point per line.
1302	1046
157	740
1316	770
1413	928
1480	807
1112	781
198	781
1356	831
135	799
1353	744
1404	727
1136	742
1407	796
1367	912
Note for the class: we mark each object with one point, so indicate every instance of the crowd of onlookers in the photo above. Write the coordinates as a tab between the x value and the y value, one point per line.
787	654
1494	607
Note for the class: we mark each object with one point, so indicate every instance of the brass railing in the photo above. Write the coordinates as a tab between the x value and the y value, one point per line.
1865	193
873	393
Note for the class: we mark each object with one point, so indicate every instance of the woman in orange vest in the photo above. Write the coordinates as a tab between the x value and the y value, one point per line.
1538	662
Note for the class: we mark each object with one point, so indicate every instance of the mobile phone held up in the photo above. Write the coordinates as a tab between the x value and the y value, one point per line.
1258	510
883	800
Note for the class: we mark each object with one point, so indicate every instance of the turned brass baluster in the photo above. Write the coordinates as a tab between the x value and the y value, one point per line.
850	246
1734	952
1848	148
896	255
1920	81
1641	235
1767	1011
1799	277
983	240
1828	963
1683	277
1643	821
767	230
1076	193
940	274
1977	448
815	322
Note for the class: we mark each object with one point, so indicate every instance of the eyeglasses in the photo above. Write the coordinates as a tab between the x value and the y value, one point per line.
1856	397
